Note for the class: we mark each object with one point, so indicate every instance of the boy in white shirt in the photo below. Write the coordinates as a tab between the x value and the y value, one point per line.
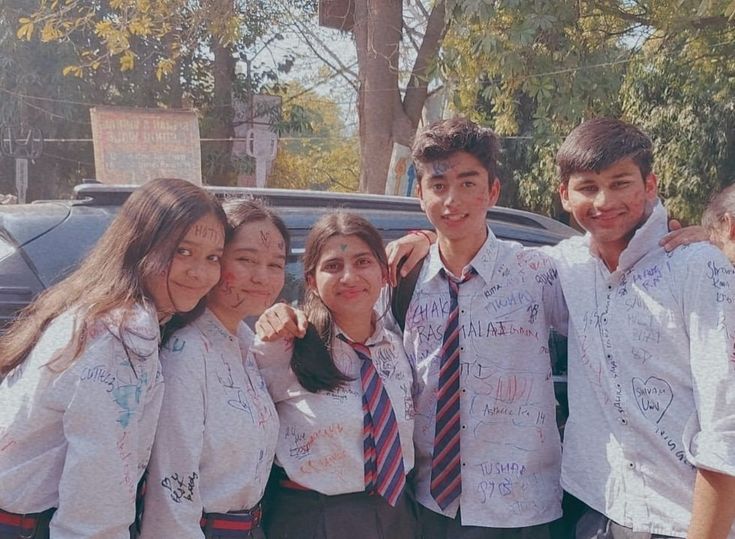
650	440
477	328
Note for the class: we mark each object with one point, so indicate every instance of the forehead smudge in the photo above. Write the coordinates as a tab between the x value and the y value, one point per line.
438	168
265	238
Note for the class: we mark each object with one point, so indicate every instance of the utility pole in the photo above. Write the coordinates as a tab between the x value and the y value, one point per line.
22	149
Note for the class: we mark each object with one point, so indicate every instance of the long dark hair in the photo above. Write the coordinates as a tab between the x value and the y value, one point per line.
140	242
312	360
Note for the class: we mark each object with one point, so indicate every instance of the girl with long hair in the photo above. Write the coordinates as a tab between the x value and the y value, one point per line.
344	398
81	388
217	434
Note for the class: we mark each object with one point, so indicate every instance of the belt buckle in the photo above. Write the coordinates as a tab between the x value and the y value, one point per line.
22	534
257	514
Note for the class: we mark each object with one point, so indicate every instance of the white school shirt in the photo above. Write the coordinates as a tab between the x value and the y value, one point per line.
217	434
320	444
80	439
651	376
509	442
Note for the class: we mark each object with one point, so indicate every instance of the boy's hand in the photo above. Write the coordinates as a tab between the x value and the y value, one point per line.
281	321
412	247
682	236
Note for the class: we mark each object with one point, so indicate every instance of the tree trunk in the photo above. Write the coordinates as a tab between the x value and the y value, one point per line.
384	117
220	153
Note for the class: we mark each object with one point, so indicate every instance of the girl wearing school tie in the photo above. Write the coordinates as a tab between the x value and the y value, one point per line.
344	399
81	388
217	434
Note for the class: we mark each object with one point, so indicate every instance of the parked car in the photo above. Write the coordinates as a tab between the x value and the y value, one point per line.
42	242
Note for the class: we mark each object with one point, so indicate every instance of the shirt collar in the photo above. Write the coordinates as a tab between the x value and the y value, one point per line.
208	321
377	337
483	262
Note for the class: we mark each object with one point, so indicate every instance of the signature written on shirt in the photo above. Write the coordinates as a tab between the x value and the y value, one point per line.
302	444
125	388
180	487
715	273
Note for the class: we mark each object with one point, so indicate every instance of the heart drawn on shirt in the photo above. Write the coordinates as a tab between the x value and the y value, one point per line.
653	397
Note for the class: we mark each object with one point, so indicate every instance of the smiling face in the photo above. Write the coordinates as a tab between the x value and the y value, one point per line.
194	269
253	270
348	278
456	193
611	205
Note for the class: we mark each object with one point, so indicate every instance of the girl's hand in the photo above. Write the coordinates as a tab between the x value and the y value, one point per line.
281	321
410	249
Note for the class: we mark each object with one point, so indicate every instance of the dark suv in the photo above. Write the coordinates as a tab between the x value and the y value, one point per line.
42	242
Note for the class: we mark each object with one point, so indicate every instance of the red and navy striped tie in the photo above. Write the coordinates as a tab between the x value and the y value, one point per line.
446	480
384	473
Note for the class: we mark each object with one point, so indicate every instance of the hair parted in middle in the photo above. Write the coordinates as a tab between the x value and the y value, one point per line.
444	138
315	372
597	144
251	210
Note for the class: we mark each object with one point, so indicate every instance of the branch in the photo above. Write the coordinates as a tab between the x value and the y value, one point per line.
335	64
416	91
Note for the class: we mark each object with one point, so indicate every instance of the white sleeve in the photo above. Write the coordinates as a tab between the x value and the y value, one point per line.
173	504
274	363
101	424
710	307
555	305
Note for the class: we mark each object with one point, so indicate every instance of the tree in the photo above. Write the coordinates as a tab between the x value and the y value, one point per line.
168	51
34	93
385	115
534	69
109	31
318	154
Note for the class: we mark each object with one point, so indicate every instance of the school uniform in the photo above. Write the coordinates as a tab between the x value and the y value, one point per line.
321	449
216	437
507	453
651	378
78	439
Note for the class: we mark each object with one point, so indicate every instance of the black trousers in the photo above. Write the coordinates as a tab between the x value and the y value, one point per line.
438	526
305	514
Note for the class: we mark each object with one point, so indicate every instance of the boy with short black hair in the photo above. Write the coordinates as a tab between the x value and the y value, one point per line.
649	444
487	446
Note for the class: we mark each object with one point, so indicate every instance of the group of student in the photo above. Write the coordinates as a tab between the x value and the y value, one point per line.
356	419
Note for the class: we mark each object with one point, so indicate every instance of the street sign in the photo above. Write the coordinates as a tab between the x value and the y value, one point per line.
133	146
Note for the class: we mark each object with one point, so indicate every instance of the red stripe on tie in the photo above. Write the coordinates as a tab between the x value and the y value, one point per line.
387	477
446	462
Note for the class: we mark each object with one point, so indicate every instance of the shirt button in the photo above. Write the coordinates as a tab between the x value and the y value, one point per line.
464	390
462	311
609	287
609	356
461	348
631	465
623	421
464	464
464	426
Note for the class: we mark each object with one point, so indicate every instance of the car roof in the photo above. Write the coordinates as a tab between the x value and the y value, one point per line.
531	227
